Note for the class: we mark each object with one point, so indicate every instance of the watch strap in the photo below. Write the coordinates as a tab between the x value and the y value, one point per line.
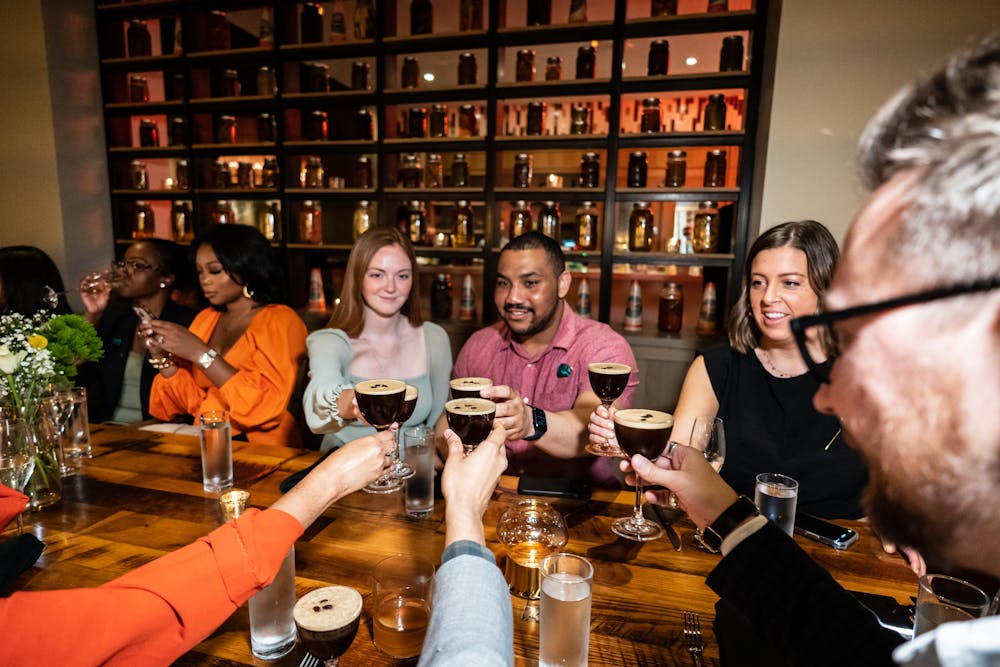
539	422
207	359
734	515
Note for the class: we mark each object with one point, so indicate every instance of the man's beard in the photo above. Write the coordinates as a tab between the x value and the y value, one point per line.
536	325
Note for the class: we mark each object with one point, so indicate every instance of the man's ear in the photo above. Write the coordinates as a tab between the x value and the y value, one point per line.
565	280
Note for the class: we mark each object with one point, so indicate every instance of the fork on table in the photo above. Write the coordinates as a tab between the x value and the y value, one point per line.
309	661
692	636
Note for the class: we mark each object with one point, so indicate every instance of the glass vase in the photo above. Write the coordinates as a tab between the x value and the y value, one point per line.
45	484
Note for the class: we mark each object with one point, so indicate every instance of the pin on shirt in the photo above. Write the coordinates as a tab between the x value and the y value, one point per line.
564	371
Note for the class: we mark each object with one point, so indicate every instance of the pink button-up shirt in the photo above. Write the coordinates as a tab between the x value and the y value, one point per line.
551	381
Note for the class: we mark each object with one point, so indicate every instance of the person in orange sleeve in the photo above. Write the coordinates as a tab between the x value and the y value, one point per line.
156	613
242	354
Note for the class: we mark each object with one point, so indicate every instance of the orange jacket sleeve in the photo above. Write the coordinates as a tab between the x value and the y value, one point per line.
154	614
11	503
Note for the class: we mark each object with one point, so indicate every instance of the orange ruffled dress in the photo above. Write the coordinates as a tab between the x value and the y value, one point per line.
266	358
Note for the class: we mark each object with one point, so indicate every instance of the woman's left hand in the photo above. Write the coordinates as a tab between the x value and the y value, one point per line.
175	339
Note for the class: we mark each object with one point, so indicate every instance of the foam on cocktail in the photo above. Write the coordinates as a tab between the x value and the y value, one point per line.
327	608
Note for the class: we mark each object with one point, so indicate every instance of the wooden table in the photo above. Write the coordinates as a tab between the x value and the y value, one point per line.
141	496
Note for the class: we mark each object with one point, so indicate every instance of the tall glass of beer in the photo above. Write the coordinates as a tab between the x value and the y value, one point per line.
641	432
471	419
381	403
608	380
327	620
468	387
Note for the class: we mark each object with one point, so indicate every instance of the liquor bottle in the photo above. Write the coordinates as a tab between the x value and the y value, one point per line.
180	221
467	306
310	223
441	297
317	301
583	298
586	226
464	235
548	220
416	223
708	312
633	308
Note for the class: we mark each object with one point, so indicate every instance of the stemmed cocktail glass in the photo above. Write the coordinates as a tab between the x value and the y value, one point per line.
400	468
641	432
708	436
381	402
608	380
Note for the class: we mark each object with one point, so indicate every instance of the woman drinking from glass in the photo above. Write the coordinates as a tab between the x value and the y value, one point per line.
242	353
118	386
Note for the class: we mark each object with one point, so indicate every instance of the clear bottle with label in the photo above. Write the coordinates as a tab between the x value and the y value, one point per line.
464	235
362	221
548	220
311	222
587	224
364	19
583	298
671	313
441	297
708	312
338	22
705	236
640	228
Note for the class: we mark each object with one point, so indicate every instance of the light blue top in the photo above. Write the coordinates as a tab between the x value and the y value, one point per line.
330	356
471	622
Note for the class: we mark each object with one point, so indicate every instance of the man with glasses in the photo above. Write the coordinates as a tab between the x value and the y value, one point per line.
914	309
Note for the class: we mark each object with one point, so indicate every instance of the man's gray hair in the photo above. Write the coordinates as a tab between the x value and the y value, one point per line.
946	128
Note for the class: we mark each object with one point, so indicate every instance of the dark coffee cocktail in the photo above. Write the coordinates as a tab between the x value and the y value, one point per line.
380	401
471	419
327	620
409	404
608	380
643	431
468	387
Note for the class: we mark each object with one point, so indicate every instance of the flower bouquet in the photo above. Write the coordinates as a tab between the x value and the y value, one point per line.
37	353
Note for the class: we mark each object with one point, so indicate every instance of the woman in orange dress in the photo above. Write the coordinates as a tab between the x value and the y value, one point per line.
241	354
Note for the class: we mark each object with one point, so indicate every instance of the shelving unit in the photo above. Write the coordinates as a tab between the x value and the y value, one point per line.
185	82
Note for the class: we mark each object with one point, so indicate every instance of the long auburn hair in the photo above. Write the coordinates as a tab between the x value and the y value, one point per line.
822	254
349	313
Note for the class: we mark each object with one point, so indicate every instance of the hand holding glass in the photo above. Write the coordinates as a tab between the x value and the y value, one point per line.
608	380
641	432
381	402
471	419
708	435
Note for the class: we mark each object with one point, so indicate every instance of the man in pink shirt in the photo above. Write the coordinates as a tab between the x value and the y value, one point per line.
537	357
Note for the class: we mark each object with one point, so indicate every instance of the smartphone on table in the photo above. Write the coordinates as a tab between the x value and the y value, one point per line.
824	532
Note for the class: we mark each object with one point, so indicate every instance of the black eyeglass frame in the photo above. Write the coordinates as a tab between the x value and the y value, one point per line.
802	324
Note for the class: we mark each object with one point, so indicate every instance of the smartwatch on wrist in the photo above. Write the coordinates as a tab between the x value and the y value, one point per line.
727	522
539	422
207	359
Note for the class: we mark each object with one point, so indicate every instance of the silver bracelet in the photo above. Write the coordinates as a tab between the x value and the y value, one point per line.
207	359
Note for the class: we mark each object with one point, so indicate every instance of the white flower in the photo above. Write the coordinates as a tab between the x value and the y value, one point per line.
10	361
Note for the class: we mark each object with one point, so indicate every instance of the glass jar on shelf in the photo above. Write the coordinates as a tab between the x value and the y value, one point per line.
223	214
671	311
468	124
460	171
359	75
244	175
659	58
548	220
731	54
230	84
138	89
225	130
590	170
316	127
176	131
715	113
221	177
311	23
364	125
410	77
364	19
637	169
579	120
312	174
650	121
467	69
416	223
268	219
149	133
139	175
219	37
269	174
586	62
524	69
310	222
438	121
553	68
144	222
410	172
470	15
715	169
421	17
181	224
266	83
676	169
416	122
705	238
363	219
640	228
267	128
182	175
587	224
433	171
138	39
536	118
522	170
464	234
520	221
363	172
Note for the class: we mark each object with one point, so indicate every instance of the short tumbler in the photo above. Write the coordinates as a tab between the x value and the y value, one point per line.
776	497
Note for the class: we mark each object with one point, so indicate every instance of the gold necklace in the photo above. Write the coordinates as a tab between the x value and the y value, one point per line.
770	364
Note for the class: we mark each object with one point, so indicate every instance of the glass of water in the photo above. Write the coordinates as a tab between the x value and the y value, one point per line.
776	496
418	491
564	617
216	450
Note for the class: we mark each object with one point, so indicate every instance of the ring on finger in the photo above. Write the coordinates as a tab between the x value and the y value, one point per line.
159	339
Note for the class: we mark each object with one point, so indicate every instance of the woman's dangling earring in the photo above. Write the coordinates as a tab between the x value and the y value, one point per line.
247	292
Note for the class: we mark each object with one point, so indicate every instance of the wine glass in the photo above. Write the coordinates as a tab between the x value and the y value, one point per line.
94	282
641	432
400	468
708	436
381	403
17	457
608	380
471	419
